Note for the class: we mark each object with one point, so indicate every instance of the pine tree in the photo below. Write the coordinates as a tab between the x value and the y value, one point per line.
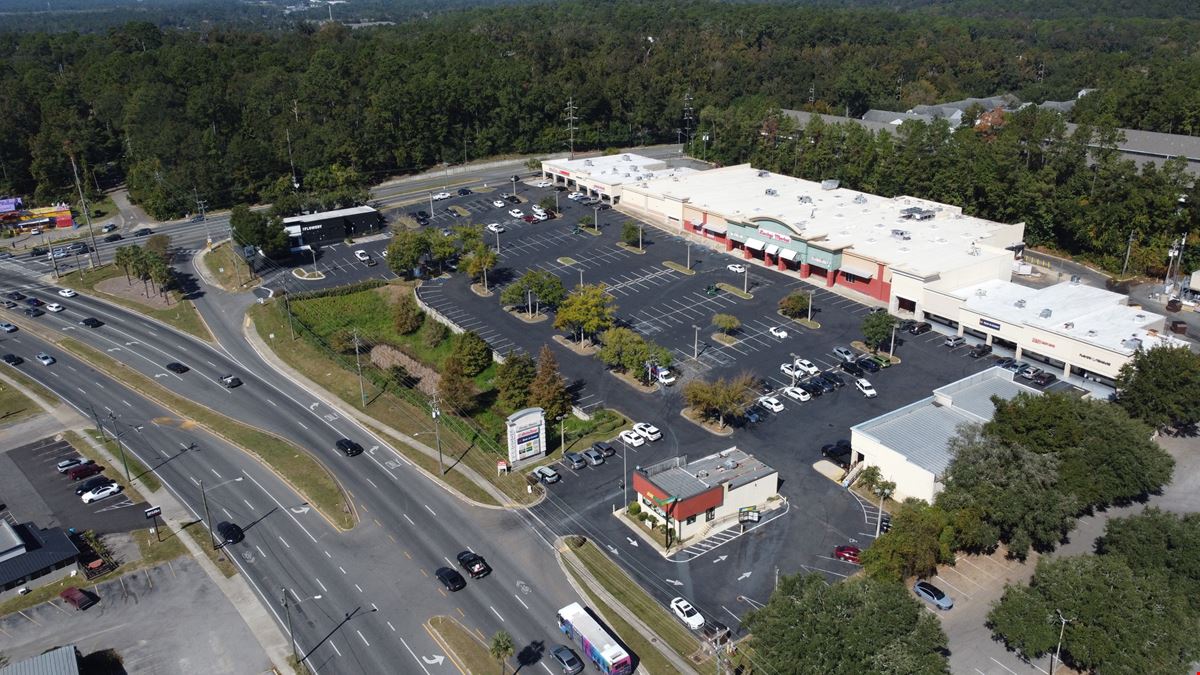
513	379
408	315
548	391
455	389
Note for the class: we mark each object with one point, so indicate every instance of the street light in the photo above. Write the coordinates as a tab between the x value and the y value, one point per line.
794	359
431	203
624	473
746	279
288	612
207	515
1056	656
892	351
596	218
696	343
562	434
497	242
514	182
689	255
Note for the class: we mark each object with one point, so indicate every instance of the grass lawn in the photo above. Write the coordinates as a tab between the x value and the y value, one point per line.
181	314
730	288
15	406
301	470
199	534
47	395
468	653
673	633
228	268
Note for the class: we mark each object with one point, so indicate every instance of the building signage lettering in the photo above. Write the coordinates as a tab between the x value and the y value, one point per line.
773	235
819	258
563	172
1038	341
989	324
310	228
1091	358
526	434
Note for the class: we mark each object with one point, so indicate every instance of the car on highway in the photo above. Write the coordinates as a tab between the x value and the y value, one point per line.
474	564
566	659
231	533
13	359
687	614
516	213
44	359
463	192
101	492
15	295
736	268
796	394
546	475
843	353
67	293
34	302
33	312
499	203
76	598
8	327
451	579
91	484
771	403
593	457
177	368
70	463
113	237
933	595
574	460
229	381
91	322
865	387
497	228
647	431
141	232
78	473
632	438
348	447
778	332
848	553
362	255
54	307
441	195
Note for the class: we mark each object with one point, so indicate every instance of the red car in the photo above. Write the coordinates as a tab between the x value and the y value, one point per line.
529	219
847	553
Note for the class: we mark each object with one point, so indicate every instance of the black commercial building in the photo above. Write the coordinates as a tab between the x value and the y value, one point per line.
326	227
27	553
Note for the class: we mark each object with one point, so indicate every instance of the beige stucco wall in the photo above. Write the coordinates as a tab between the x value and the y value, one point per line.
911	480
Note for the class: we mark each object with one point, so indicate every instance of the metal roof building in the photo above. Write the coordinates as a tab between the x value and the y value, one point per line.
61	661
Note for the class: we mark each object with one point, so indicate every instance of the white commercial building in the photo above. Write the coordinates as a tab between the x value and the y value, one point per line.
911	445
604	177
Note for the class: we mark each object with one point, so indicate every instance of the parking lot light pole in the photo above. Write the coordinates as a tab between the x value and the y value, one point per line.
689	256
562	434
624	473
581	276
497	243
287	610
794	359
640	248
746	279
514	182
596	217
696	343
1058	650
431	203
892	351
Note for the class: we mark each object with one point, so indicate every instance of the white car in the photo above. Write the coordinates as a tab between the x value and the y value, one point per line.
44	358
576	196
442	195
102	492
791	370
495	227
778	332
771	403
498	203
736	268
66	292
8	327
631	437
35	231
647	431
538	211
664	376
540	217
54	307
362	255
544	183
687	614
865	387
516	213
796	393
807	366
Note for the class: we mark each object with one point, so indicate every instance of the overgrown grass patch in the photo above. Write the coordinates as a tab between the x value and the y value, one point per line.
228	268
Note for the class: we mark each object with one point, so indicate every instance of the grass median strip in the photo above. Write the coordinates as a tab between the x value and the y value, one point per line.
301	470
181	315
678	268
468	653
229	270
730	288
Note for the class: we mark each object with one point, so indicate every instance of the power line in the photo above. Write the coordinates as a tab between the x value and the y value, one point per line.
571	120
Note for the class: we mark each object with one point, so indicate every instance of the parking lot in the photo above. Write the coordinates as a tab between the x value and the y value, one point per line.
37	492
166	619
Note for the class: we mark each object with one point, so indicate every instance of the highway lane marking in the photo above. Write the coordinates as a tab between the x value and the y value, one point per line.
72	368
214	472
410	520
323	589
195	481
327	555
430	510
520	601
546	667
460	612
260	551
413	654
372	483
56	375
285	543
331	644
273	403
407	555
389	623
495	612
361	636
227	513
80	389
342	569
249	504
301	424
286	510
374	607
127	403
448	561
360	590
211	364
98	385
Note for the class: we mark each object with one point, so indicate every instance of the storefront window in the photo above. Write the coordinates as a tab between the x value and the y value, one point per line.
691	520
710	515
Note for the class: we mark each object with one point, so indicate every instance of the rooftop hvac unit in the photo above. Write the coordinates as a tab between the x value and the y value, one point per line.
1045	313
1069	325
805	199
627	158
860	199
702	474
764	174
981	292
1020	303
771	192
1133	343
1092	333
902	234
1074	279
729	465
587	162
830	184
1139	317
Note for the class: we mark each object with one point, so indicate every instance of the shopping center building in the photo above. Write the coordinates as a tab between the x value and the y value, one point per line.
605	177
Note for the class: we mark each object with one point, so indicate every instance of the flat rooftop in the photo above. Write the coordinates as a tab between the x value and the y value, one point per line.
682	479
618	169
339	213
1085	313
922	431
912	235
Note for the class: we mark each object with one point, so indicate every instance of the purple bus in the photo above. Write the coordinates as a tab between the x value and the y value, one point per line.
598	644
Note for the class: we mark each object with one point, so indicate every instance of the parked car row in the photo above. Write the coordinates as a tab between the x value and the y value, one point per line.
90	485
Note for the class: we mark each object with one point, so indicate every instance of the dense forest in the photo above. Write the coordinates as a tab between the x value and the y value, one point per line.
225	114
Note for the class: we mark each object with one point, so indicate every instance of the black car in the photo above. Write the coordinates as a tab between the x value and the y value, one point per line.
605	207
1004	362
15	295
838	453
33	312
13	359
91	322
906	325
813	389
113	237
826	386
34	302
177	368
979	351
868	364
852	368
462	192
452	213
603	448
1043	379
92	484
920	328
230	533
512	199
348	447
474	564
141	232
452	580
229	381
834	378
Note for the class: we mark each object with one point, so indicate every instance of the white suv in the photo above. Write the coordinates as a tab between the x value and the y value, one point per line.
647	431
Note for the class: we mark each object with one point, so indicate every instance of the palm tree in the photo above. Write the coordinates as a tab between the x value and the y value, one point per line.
124	259
501	648
141	267
161	274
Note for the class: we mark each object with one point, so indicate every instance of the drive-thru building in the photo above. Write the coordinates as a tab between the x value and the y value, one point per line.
911	445
887	249
706	494
605	177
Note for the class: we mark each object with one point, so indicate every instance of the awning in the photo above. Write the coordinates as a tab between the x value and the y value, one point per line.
755	244
788	254
716	228
858	271
772	249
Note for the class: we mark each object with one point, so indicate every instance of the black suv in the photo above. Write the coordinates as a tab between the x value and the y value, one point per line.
603	448
979	351
920	328
13	359
177	368
230	533
91	322
452	580
852	368
348	447
838	453
868	364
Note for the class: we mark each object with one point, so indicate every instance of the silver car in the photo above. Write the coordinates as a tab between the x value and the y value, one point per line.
843	353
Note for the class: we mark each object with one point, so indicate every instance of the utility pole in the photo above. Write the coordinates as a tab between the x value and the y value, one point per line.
121	449
571	120
287	304
696	343
1128	250
87	216
688	115
287	610
207	516
1056	656
288	132
358	363
437	433
201	205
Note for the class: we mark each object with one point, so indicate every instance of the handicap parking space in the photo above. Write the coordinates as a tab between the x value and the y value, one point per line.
36	462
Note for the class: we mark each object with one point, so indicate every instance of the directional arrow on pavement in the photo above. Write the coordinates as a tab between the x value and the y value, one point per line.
299	509
435	659
114	349
674	582
614	551
745	575
130	344
68	327
373	449
720	559
158	375
314	406
631	541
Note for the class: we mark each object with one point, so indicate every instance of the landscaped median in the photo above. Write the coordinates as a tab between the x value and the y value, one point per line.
294	465
109	282
465	649
227	268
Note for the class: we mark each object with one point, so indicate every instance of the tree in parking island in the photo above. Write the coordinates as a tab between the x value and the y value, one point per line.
625	350
877	329
726	323
795	305
479	261
587	311
720	399
548	391
860	625
405	251
534	289
1161	387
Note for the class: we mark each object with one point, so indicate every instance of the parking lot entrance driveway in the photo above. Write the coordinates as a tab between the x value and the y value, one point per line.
167	619
56	504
